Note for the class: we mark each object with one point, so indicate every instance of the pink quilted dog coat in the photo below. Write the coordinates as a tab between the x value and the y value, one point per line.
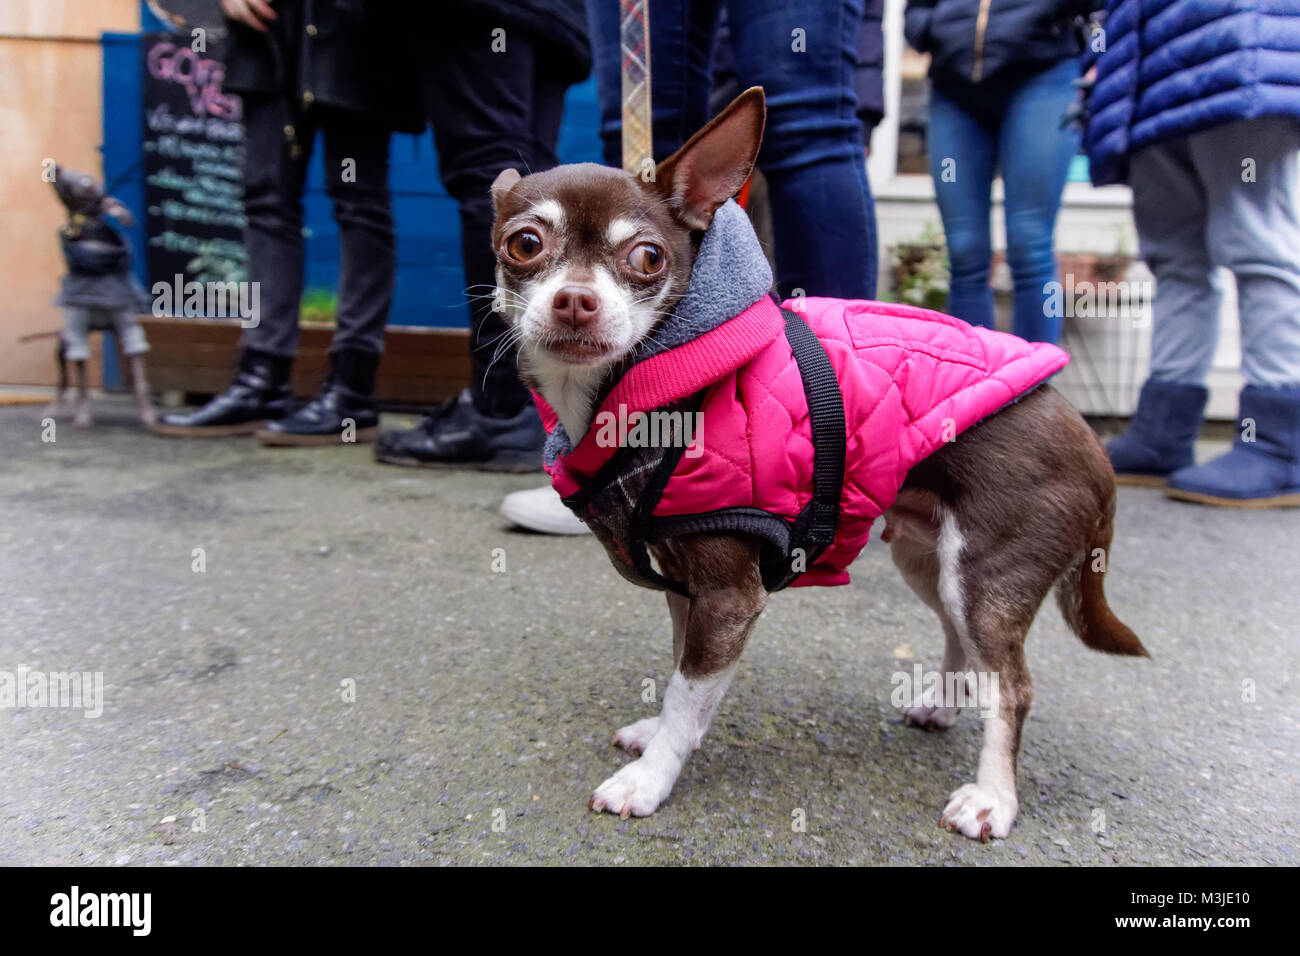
909	379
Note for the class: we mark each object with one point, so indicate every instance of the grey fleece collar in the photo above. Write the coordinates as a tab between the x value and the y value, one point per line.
730	274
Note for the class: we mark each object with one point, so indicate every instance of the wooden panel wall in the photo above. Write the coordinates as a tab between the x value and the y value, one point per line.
50	107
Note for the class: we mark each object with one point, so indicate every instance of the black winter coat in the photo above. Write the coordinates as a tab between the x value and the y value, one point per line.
559	24
972	40
348	54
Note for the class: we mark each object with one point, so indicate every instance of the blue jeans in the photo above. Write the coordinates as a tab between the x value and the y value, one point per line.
812	154
1015	125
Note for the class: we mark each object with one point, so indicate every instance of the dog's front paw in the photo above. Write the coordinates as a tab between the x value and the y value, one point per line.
83	418
634	737
930	718
977	812
636	790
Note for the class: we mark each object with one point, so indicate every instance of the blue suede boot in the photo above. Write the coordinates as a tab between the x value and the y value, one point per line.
1263	468
1161	438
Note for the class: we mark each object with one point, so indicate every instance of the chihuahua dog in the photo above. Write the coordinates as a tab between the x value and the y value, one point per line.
605	276
99	293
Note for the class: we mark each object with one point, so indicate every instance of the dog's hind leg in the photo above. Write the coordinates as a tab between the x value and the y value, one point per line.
727	596
913	536
991	628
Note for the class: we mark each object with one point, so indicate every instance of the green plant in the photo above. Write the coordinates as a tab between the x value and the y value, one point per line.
319	307
920	270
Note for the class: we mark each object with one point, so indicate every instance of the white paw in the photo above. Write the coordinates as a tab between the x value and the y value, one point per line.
83	418
636	790
634	737
978	813
931	718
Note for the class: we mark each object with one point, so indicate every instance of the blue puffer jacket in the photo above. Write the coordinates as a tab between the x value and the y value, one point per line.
1173	67
971	41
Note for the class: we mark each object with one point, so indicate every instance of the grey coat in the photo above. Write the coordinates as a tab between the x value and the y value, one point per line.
99	269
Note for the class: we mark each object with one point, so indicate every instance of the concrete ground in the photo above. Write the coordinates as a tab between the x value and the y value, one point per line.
484	700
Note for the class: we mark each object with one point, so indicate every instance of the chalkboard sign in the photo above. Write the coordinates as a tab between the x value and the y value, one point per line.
193	161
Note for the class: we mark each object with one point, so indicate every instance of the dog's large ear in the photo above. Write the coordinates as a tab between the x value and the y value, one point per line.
111	206
504	182
715	162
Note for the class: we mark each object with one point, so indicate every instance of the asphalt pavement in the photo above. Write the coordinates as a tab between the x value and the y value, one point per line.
309	658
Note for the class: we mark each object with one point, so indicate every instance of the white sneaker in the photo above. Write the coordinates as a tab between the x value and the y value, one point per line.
540	509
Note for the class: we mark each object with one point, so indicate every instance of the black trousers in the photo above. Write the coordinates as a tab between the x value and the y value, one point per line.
278	142
490	111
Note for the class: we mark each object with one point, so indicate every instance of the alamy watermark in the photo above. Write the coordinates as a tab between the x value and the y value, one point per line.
210	300
655	429
1126	299
922	688
132	911
76	690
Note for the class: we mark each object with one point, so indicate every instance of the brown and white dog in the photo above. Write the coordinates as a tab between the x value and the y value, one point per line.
590	261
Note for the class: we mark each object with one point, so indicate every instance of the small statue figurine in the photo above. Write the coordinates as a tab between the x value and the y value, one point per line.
99	292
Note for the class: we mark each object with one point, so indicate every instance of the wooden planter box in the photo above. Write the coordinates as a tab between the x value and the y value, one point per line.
421	366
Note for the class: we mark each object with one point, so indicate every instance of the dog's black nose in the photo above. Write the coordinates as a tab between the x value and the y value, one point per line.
575	306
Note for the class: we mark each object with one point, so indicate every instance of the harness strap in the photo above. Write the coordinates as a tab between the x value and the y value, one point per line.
815	528
809	535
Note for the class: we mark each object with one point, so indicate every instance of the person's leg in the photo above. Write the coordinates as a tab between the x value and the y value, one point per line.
603	27
680	49
356	180
496	388
681	45
481	105
1035	153
1169	208
803	54
277	147
963	156
1251	172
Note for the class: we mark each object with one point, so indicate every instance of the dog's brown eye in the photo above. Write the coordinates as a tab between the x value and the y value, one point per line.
524	245
646	259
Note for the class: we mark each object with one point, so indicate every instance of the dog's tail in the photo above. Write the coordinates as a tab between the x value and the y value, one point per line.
1081	595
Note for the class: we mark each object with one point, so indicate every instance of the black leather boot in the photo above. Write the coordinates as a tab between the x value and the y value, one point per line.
457	435
344	411
259	393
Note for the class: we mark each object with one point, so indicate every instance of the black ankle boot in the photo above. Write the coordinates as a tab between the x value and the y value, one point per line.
260	393
344	411
458	435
